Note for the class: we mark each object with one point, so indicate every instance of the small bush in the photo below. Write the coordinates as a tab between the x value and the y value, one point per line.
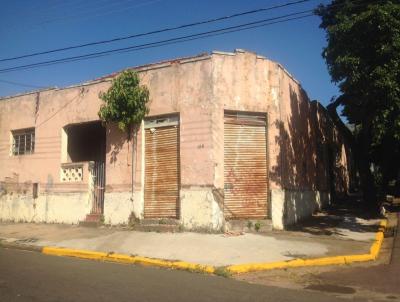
222	271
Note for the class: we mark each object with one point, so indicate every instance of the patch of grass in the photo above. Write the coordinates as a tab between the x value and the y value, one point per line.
257	226
197	269
222	271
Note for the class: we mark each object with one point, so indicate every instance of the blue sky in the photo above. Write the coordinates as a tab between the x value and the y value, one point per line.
32	26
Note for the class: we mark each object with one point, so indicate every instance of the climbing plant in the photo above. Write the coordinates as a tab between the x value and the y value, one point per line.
125	102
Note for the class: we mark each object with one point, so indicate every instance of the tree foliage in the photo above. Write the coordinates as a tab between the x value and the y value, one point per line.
125	102
363	58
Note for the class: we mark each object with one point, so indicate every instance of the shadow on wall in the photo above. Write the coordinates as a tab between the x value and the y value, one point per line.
310	162
115	140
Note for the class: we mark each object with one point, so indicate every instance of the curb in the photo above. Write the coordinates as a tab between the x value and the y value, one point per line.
121	258
335	260
208	269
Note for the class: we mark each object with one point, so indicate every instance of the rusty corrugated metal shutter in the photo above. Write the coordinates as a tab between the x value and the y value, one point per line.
161	191
245	166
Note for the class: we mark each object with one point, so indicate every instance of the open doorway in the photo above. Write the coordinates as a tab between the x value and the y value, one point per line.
86	142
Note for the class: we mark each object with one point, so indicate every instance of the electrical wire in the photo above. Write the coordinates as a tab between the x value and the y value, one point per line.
154	44
156	31
84	10
21	84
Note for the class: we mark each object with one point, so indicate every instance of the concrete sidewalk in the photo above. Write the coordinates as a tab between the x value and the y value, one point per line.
347	235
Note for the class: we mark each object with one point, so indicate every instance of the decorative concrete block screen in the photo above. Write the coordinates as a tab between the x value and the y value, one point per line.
71	172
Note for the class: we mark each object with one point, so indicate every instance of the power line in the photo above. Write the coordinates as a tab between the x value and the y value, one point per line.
158	43
21	84
156	31
115	7
85	11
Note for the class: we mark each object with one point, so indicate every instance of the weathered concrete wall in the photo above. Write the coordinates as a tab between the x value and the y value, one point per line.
300	134
50	208
244	81
170	93
199	89
49	111
200	209
333	156
290	207
118	206
46	111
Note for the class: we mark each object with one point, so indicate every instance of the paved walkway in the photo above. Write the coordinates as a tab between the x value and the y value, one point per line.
350	235
383	278
372	281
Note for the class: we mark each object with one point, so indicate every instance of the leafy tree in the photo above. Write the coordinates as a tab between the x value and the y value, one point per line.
125	103
363	58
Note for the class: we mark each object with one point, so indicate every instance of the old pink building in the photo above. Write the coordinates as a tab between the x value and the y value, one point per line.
230	137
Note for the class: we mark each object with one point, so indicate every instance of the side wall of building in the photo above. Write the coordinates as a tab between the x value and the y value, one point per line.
312	156
300	165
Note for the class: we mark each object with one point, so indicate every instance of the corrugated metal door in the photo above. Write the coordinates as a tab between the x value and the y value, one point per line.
245	166
161	192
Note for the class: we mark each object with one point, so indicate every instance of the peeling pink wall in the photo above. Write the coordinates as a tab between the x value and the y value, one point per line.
245	82
199	89
47	111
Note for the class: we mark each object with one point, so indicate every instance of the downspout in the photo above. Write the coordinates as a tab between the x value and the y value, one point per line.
282	149
133	163
37	104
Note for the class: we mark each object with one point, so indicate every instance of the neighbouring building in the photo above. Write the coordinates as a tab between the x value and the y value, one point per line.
230	137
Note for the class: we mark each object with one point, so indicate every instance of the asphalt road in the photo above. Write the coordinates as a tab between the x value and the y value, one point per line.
31	276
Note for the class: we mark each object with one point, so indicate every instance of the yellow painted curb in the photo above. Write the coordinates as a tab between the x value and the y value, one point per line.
336	260
120	258
74	253
234	269
358	258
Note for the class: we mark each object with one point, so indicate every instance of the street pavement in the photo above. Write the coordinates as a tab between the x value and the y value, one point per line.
30	276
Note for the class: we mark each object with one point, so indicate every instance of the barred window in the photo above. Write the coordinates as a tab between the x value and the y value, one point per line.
23	141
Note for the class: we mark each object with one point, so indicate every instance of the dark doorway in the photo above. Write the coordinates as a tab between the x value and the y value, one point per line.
86	142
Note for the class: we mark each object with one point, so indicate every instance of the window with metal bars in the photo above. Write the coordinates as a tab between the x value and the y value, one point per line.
23	141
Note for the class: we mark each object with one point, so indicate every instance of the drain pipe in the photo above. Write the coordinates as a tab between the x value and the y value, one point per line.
133	161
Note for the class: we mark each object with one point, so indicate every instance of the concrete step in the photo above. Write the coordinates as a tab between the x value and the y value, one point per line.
91	224
92	220
249	225
94	217
160	225
159	228
154	221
